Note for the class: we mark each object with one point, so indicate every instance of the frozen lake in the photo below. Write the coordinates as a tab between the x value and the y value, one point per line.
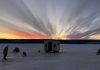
71	57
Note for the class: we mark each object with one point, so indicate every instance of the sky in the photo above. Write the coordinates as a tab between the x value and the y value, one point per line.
50	19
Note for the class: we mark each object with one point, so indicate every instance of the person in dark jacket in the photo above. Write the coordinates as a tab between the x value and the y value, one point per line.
16	50
98	52
39	51
24	54
5	52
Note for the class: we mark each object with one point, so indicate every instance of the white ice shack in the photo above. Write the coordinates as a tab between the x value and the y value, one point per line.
51	46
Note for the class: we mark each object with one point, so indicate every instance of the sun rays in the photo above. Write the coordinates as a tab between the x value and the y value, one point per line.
49	19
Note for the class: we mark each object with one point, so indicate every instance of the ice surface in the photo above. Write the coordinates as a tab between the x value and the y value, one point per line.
71	57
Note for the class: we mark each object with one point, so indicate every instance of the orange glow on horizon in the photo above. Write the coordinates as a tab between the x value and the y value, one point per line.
95	37
20	36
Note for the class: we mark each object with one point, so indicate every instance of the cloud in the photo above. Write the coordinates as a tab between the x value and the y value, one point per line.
72	18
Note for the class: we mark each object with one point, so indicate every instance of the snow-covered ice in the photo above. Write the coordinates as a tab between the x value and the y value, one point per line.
71	57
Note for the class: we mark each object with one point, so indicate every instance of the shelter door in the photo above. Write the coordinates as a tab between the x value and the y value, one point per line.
50	46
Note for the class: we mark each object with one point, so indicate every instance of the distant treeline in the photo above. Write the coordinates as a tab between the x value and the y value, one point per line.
42	41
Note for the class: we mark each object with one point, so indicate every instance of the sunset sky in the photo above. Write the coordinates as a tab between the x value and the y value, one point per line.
49	19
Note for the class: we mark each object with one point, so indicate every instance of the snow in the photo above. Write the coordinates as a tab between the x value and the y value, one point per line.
71	57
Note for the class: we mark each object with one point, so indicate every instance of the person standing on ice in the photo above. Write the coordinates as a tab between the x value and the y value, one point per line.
5	52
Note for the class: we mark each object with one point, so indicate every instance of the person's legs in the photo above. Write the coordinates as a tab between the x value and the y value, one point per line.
5	57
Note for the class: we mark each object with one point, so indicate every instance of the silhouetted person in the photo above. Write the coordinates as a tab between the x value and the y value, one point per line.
98	52
5	52
39	51
24	54
16	50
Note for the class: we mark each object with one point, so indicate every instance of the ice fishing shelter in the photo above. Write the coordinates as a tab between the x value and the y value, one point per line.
51	46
